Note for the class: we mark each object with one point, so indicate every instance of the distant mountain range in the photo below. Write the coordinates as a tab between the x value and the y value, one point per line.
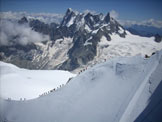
79	41
143	30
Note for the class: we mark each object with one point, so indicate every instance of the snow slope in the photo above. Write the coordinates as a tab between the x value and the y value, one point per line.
19	83
115	91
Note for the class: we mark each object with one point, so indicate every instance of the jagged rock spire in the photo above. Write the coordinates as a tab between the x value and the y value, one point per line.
69	10
107	18
69	14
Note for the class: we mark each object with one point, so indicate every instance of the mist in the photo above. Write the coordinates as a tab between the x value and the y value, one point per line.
13	33
44	17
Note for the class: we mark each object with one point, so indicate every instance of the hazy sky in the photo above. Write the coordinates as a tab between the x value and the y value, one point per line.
127	9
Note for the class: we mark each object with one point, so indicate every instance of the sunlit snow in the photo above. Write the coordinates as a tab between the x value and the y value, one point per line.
115	91
17	83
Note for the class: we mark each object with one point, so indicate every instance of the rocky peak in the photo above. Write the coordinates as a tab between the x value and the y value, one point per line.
91	19
158	38
23	20
85	31
107	18
69	17
69	10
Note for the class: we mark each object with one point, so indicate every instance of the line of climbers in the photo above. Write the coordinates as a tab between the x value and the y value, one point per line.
9	99
146	56
91	66
55	88
21	99
82	70
46	93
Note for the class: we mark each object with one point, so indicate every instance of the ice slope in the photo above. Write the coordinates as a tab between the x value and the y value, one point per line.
115	91
19	83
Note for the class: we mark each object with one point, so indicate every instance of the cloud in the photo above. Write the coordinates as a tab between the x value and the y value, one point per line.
114	14
89	11
45	17
152	22
149	22
127	23
14	33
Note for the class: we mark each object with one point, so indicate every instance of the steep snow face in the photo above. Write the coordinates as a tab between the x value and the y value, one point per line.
71	22
19	83
102	93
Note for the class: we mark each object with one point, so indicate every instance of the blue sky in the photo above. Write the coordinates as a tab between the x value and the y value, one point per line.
127	9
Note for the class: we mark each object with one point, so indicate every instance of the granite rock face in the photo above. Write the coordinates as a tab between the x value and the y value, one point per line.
85	31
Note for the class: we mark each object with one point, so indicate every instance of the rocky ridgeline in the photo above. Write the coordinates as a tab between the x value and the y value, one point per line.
85	31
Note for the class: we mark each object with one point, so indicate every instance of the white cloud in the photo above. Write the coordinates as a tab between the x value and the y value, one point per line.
149	22
114	14
89	11
152	22
127	22
45	17
23	33
12	15
11	33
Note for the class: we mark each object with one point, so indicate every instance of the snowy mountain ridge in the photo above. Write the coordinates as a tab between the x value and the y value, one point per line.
118	90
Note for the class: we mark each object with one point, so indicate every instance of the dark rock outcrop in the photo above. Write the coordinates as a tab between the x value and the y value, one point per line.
23	20
158	38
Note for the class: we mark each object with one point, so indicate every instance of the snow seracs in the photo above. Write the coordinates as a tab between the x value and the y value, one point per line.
102	93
